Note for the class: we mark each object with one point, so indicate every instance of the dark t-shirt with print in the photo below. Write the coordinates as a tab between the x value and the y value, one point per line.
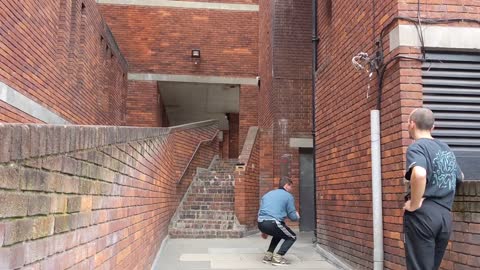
443	172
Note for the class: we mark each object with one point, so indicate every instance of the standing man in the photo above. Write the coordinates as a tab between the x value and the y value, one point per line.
275	206
434	174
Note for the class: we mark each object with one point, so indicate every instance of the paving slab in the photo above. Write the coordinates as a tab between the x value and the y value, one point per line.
237	254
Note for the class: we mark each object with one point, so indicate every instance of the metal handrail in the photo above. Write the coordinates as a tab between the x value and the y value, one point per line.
195	153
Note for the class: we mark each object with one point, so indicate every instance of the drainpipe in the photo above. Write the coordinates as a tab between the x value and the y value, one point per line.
314	69
376	191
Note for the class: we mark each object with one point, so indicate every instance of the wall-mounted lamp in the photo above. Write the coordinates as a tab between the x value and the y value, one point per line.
196	56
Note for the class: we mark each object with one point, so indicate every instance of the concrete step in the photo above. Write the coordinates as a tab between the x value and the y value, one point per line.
214	183
210	197
206	214
222	206
206	224
212	190
201	233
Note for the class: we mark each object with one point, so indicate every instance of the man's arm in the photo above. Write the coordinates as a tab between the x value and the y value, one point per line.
418	182
291	211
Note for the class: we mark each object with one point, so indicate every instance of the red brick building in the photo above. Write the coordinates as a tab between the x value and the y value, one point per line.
103	196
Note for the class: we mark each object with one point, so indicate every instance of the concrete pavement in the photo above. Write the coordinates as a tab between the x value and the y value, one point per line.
236	254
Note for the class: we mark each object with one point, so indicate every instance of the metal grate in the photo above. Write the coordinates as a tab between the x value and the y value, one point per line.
451	89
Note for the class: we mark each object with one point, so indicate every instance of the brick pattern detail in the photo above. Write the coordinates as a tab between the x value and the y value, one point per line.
246	182
343	152
343	137
87	197
265	97
233	135
284	100
144	105
201	159
64	57
160	49
251	2
467	9
10	114
224	145
248	111
207	210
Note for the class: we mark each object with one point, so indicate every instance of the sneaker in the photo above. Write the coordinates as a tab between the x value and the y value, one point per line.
279	260
268	257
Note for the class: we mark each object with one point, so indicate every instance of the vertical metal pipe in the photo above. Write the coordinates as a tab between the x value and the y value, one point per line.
314	69
376	191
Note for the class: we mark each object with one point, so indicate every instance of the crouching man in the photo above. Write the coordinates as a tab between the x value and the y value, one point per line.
275	206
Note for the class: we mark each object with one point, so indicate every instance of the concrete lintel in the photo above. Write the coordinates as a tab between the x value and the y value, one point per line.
184	4
191	78
441	37
28	106
301	142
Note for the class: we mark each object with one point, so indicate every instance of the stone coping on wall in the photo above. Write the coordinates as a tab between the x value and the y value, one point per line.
23	141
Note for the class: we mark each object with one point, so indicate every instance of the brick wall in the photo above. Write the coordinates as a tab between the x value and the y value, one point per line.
87	197
265	96
248	111
224	144
233	136
343	152
62	55
202	158
161	42
343	135
285	88
10	114
246	182
144	105
226	1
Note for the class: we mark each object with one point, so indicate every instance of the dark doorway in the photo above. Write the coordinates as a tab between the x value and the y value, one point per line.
307	205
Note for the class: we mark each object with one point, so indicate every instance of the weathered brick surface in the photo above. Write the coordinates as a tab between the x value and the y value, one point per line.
104	204
246	182
157	48
284	99
343	135
144	105
63	57
233	135
208	208
248	116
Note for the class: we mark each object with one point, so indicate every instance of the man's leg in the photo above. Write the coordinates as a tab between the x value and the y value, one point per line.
269	227
274	243
291	237
419	242
441	241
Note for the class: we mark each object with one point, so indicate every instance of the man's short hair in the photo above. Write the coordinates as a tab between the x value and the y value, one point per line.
423	118
284	181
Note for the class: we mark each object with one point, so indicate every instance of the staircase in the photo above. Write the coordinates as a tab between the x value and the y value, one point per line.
208	209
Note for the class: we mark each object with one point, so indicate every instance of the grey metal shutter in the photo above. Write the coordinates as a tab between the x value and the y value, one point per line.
451	89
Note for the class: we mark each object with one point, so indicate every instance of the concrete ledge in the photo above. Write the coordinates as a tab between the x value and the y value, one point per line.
301	142
332	258
13	98
441	37
184	4
191	78
156	262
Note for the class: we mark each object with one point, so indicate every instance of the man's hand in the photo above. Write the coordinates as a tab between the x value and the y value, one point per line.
411	208
264	235
298	215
